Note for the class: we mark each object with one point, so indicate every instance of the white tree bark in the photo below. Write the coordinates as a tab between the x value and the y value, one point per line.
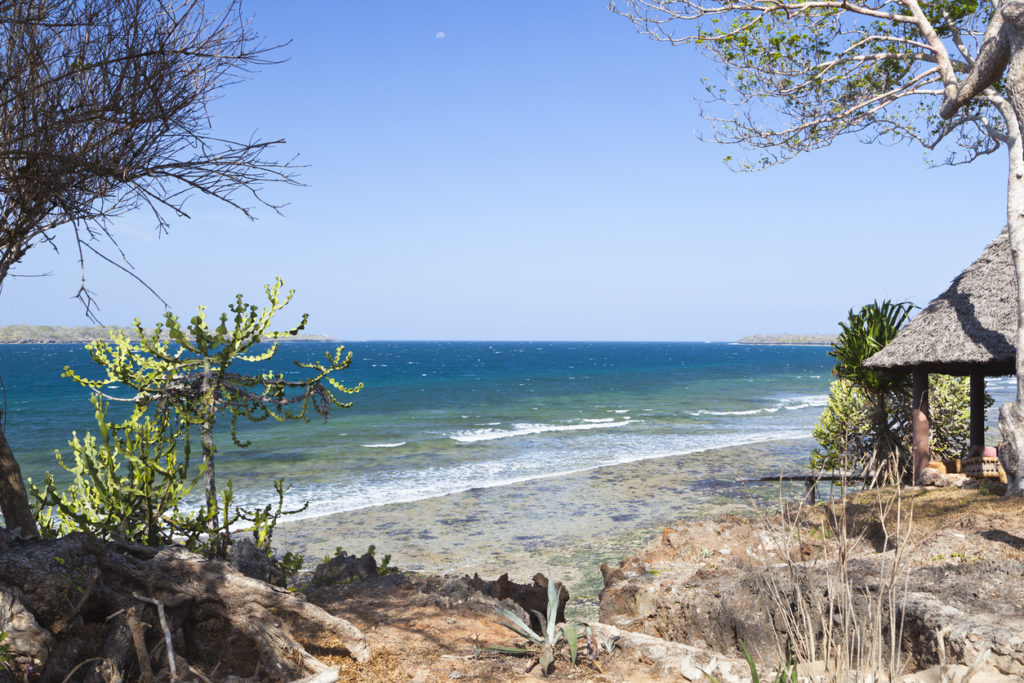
1011	415
1002	52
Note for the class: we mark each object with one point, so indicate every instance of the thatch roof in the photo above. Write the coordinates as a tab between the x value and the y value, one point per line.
970	327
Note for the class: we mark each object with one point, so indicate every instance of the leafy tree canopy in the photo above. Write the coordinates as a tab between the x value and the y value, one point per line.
795	75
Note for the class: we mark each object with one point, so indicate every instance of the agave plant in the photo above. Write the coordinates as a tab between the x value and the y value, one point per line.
549	637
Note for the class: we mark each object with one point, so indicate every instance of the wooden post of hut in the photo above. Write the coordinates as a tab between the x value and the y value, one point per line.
919	420
977	413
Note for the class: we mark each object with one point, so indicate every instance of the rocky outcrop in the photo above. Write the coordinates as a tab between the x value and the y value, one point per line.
675	660
344	568
958	595
254	563
696	584
531	597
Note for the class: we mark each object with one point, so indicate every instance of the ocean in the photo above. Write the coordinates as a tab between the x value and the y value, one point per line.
436	418
496	457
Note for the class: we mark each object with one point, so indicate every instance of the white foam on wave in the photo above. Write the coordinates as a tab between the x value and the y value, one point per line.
598	420
620	412
528	429
398	486
756	411
789	403
384	445
800	402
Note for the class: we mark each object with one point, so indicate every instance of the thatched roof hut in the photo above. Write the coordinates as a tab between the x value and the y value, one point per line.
970	329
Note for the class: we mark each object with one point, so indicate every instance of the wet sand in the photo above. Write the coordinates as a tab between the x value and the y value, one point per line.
564	527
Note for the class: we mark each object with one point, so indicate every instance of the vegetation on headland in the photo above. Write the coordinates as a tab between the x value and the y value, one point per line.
85	334
130	485
858	589
866	423
787	338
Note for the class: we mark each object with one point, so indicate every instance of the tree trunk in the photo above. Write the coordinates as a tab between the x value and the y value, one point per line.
67	600
206	438
13	498
1011	415
977	412
209	478
885	466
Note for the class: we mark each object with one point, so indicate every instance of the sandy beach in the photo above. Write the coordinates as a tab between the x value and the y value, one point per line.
563	526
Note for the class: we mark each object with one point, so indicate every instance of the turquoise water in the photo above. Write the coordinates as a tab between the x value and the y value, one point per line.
436	418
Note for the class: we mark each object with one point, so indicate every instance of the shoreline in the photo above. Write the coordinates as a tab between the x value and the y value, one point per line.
563	526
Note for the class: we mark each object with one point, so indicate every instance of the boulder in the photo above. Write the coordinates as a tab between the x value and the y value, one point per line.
245	557
529	597
696	584
933	477
344	568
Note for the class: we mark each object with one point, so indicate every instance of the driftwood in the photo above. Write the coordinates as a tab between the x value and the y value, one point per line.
69	600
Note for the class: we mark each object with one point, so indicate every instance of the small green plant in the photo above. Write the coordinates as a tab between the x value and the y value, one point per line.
605	644
4	650
823	532
290	563
131	480
547	639
787	674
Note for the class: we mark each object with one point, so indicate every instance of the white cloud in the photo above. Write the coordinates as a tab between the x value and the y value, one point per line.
439	35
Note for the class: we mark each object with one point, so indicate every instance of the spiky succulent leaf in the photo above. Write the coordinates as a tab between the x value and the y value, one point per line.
509	650
552	619
572	638
754	678
547	658
517	625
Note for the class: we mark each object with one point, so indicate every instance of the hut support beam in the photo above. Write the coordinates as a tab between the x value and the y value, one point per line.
919	419
977	413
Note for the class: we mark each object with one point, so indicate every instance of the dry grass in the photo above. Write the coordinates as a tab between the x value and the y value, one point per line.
384	666
835	620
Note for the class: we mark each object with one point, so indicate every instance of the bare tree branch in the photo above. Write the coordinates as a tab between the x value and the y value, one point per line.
103	110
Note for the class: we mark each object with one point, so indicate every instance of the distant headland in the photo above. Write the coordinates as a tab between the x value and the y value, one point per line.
786	338
53	334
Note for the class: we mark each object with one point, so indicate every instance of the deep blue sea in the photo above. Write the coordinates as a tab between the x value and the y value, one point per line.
436	418
439	417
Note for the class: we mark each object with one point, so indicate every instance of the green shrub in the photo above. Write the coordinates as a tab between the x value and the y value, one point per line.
128	482
844	430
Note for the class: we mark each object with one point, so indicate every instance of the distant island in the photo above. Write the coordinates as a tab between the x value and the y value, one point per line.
53	334
786	338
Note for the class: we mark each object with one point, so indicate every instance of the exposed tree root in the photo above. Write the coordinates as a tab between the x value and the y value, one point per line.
67	600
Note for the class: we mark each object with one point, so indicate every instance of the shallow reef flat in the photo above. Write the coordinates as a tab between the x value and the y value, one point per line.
565	526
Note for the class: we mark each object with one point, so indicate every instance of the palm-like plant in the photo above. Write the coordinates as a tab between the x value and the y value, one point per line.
864	333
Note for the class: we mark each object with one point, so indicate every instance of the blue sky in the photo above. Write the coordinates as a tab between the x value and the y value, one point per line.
528	170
